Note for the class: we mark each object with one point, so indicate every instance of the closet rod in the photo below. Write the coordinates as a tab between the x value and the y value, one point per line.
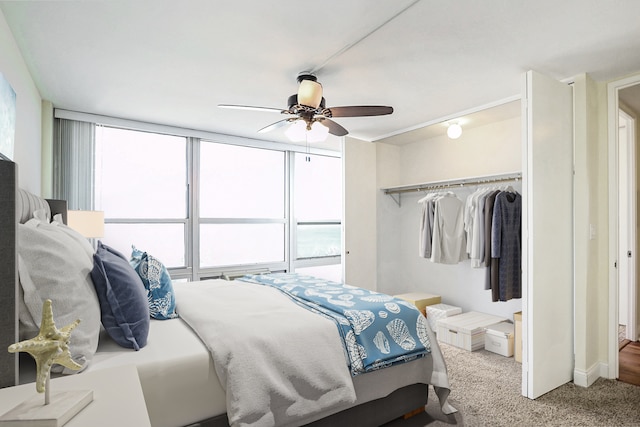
513	176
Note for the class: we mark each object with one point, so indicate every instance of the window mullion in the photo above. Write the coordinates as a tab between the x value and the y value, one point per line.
193	212
291	220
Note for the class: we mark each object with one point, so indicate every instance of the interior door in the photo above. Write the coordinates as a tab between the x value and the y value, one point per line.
625	185
359	221
547	234
627	224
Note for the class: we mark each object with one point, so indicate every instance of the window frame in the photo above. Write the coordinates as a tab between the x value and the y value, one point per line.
294	261
192	222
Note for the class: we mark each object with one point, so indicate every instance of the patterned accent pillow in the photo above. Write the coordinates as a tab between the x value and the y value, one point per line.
157	282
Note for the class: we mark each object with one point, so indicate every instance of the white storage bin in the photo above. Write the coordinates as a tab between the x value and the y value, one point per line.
498	338
440	311
466	330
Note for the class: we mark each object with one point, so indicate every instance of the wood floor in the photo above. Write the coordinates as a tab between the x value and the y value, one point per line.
629	362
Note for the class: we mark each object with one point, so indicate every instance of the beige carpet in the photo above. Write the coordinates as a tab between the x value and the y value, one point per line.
486	390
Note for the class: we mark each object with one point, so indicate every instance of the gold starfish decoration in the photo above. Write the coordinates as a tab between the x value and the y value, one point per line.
50	346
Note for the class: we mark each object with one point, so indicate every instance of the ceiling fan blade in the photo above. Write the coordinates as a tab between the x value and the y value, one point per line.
360	110
251	108
334	128
274	126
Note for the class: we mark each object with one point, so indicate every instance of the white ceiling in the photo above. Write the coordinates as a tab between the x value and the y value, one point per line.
173	62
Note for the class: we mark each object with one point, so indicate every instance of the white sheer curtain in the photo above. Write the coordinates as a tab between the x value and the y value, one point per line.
74	163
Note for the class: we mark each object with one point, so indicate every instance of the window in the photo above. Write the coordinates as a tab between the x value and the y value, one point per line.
240	244
318	240
318	187
241	182
141	174
170	249
141	185
242	205
218	206
318	211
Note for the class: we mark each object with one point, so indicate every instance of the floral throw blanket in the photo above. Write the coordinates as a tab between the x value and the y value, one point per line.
377	330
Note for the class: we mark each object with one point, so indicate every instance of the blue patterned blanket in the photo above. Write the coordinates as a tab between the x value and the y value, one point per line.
377	330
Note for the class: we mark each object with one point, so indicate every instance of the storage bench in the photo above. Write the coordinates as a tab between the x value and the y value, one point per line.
466	330
440	311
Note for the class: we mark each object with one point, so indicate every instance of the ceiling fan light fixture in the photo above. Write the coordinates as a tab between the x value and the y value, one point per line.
317	133
297	132
310	93
454	130
308	105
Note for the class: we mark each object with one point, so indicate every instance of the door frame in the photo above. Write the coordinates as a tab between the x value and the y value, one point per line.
613	106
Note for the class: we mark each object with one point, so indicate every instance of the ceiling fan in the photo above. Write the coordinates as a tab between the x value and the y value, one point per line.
310	118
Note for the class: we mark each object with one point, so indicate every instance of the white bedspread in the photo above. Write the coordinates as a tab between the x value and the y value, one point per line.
277	362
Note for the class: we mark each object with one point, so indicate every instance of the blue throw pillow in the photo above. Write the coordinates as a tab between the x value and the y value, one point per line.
157	282
123	300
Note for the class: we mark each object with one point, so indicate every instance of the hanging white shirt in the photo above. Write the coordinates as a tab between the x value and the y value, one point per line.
426	225
448	240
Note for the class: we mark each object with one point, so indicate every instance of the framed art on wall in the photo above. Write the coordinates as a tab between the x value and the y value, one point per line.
7	118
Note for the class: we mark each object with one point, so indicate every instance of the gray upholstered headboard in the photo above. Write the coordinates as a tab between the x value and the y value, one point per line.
16	206
8	273
27	203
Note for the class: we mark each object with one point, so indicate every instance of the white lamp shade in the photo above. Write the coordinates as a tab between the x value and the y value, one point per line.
310	93
297	131
454	131
88	223
318	132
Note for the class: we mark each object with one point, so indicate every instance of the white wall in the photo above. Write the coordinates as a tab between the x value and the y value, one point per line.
27	152
486	150
387	229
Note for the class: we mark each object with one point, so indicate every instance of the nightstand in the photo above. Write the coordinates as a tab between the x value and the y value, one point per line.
117	397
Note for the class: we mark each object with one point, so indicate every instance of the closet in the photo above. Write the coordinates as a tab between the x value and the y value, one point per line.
463	277
537	141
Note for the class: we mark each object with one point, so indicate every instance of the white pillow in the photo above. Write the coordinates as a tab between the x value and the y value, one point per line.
53	263
77	237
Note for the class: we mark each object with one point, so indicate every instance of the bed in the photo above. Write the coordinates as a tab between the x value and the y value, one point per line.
181	373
